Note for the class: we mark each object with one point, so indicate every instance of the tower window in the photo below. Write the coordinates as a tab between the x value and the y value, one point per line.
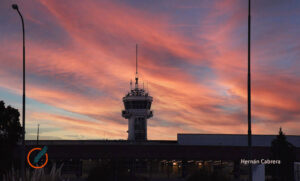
136	105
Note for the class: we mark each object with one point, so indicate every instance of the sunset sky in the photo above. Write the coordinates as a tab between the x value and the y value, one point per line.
193	54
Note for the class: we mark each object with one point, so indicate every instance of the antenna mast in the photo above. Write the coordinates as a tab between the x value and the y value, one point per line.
136	67
136	59
38	135
147	87
130	84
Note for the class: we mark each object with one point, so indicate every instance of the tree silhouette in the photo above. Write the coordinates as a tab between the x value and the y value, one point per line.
10	133
284	151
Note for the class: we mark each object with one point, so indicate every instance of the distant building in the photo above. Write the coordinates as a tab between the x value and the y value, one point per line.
161	157
239	140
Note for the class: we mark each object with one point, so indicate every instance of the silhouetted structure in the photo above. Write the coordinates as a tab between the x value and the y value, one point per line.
249	90
285	151
15	7
137	105
188	148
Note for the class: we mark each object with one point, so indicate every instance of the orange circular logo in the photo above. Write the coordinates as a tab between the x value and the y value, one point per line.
28	160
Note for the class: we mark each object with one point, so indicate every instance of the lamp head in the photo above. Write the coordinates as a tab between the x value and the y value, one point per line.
15	6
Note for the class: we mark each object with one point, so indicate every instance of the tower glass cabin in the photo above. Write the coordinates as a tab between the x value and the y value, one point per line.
137	105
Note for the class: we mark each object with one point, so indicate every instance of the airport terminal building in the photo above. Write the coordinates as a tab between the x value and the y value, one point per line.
159	158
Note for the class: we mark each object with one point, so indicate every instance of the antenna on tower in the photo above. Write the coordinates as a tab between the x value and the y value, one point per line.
147	87
130	84
38	135
136	59
136	67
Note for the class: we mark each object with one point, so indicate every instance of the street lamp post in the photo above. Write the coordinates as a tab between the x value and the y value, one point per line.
249	92
15	7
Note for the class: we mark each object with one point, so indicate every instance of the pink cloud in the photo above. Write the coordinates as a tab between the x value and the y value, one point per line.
91	73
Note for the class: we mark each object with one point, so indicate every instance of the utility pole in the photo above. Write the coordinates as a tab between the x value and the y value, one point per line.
249	91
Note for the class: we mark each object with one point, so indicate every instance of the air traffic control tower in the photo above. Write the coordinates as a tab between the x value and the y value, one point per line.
137	105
